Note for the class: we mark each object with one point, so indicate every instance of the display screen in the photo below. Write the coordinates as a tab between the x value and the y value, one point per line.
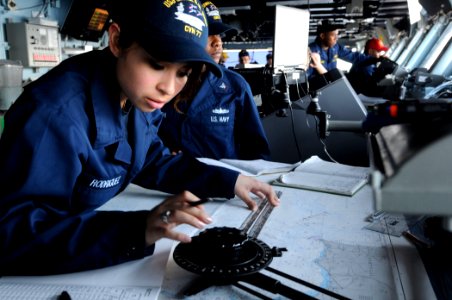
290	44
98	19
86	21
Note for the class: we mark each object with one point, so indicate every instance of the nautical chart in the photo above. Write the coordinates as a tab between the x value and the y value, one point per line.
326	242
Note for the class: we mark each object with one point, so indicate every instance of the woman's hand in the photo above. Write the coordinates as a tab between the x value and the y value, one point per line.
246	185
174	211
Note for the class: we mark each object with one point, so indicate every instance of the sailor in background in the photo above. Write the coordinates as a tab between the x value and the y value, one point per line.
364	76
224	58
222	120
326	50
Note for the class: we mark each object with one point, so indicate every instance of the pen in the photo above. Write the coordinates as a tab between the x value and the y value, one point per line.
64	296
199	202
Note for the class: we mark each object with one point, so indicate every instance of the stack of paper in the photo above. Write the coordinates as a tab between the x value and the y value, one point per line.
254	167
324	176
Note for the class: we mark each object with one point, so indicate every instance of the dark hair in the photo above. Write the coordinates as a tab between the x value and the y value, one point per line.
243	53
191	87
366	47
126	39
327	26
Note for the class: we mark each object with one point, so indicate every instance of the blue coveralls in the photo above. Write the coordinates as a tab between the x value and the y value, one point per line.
330	56
66	150
222	121
362	80
366	70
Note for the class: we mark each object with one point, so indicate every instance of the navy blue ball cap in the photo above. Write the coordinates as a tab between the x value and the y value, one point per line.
169	30
327	26
216	25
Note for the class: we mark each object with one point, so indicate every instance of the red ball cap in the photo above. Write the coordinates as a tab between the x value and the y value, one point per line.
376	44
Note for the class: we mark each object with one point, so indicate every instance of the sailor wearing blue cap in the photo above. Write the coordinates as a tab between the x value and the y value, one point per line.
78	135
325	50
222	120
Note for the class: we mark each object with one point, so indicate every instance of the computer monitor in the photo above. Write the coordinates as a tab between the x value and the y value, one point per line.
341	102
290	42
259	79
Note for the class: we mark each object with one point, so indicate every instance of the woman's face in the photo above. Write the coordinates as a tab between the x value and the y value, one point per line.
147	83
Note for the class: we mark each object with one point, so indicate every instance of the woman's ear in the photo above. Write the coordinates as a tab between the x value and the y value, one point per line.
113	39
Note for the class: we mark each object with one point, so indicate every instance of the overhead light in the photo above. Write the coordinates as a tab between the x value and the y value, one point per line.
323	15
244	7
227	11
398	7
312	9
368	20
300	2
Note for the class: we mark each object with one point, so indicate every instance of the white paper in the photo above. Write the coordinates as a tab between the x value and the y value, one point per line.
254	167
323	183
324	176
14	290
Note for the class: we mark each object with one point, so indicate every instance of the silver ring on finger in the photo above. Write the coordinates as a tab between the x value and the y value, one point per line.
164	216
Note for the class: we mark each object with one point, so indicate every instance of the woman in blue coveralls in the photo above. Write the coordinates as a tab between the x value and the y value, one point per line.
325	51
222	120
81	133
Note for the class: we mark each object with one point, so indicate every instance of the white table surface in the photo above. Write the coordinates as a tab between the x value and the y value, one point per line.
323	233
